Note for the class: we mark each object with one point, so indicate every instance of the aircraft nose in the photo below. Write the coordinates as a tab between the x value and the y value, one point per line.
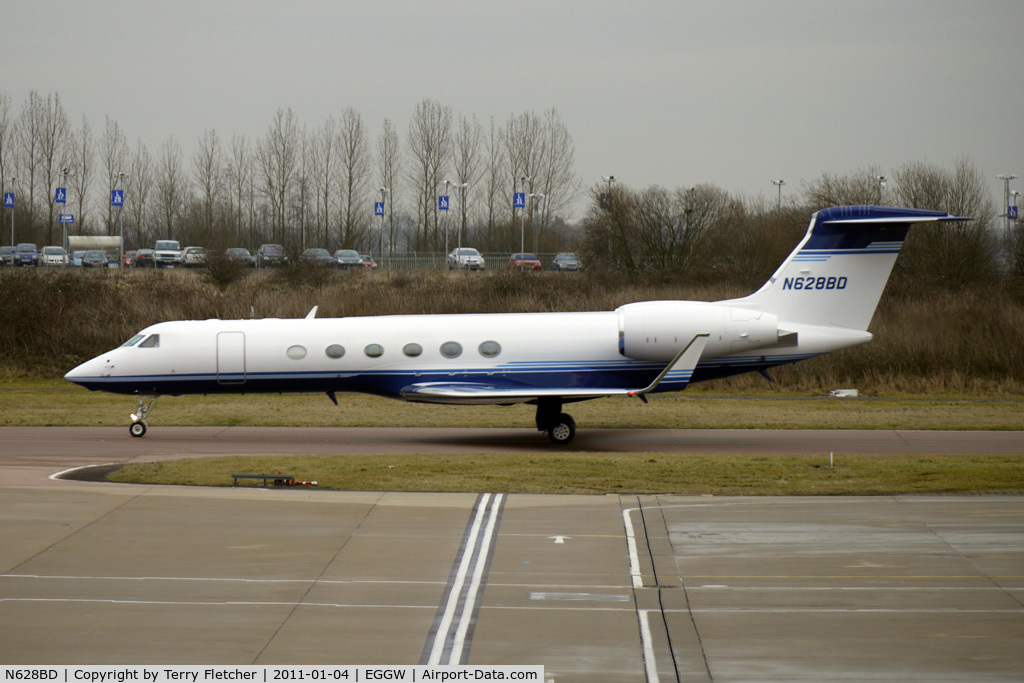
87	373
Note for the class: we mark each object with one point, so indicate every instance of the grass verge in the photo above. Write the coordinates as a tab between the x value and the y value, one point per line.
600	473
39	403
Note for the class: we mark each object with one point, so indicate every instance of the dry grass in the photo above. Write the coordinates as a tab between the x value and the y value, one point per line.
601	473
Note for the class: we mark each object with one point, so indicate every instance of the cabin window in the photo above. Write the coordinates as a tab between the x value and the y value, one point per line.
296	352
133	341
374	350
152	342
451	349
412	350
335	351
489	349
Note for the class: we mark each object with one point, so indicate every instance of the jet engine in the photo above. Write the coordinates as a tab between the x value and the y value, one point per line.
658	330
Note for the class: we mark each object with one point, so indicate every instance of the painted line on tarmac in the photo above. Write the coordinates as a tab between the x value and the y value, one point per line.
448	640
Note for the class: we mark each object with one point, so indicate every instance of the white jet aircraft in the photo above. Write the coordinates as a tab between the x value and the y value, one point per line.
820	300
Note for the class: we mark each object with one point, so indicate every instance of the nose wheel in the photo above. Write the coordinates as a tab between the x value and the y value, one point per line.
138	426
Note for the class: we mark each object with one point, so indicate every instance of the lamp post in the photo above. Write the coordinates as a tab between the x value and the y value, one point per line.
462	211
539	196
1006	178
64	225
779	183
881	184
609	179
120	219
522	219
383	190
13	180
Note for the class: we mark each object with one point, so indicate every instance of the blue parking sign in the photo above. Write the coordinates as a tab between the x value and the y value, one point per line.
117	198
1011	211
9	200
519	200
61	196
378	208
442	203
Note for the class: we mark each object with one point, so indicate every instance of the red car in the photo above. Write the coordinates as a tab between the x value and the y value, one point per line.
524	262
129	258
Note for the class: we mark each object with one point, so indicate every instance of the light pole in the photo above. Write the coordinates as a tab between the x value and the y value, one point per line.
881	184
779	183
64	225
539	196
1006	178
120	220
609	179
383	208
444	219
13	180
462	211
522	219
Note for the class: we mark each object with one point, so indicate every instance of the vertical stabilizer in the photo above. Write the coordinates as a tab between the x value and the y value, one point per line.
836	275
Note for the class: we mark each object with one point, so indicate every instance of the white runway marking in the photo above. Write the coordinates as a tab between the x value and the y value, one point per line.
449	639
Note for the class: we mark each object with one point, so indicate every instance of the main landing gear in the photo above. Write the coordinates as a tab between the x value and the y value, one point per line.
138	426
561	428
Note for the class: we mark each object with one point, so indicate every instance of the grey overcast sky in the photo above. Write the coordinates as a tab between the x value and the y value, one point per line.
661	92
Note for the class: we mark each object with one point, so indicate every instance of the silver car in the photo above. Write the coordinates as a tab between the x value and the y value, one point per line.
466	258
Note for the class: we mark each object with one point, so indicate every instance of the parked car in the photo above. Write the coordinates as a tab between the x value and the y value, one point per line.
94	258
144	258
26	254
53	256
240	255
318	257
270	255
167	253
348	258
129	257
7	256
566	261
193	257
368	261
76	258
465	257
524	262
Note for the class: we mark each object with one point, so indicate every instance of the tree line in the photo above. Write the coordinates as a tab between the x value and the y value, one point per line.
703	233
297	185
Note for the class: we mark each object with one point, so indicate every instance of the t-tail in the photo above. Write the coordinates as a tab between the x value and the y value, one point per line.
836	275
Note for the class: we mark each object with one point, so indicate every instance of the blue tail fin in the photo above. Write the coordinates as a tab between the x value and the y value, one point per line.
836	275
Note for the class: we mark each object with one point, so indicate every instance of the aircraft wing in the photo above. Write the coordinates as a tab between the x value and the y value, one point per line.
678	372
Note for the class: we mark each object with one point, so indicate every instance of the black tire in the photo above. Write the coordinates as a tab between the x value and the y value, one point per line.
563	432
137	429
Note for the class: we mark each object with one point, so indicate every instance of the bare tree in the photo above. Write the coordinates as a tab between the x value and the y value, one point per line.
140	184
556	172
241	175
467	164
278	156
303	182
354	175
82	163
389	172
429	142
171	188
495	191
52	148
29	133
208	176
6	140
324	176
858	188
114	159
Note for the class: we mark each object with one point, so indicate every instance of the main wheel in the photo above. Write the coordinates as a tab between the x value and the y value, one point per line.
137	429
563	432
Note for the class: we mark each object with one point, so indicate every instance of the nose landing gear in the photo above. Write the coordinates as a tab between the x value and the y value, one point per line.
138	426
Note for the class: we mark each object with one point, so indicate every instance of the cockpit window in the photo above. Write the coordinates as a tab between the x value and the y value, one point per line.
152	342
133	341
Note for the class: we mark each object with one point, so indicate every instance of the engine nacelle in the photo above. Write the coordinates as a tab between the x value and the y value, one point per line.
658	330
